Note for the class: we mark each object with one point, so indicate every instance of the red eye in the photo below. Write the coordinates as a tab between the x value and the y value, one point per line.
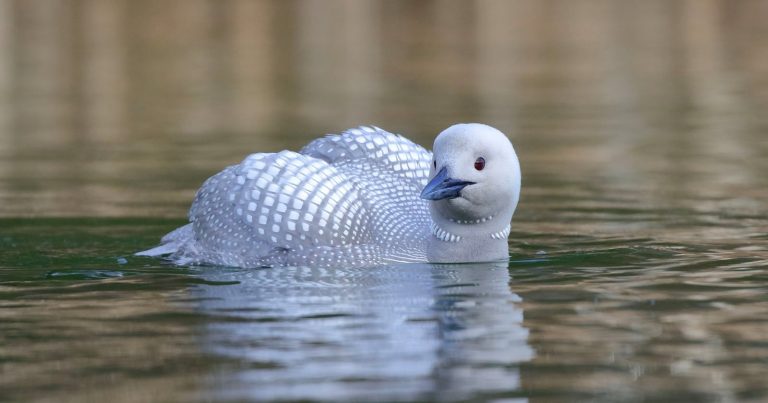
480	163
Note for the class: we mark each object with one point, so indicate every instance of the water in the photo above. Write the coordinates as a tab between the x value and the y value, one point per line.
639	252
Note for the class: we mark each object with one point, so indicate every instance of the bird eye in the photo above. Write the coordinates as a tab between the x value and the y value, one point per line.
480	163
434	163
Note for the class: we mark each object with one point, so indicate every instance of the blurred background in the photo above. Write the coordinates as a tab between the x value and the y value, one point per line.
123	108
639	251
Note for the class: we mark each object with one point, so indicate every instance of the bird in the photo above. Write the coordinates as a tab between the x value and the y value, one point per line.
360	198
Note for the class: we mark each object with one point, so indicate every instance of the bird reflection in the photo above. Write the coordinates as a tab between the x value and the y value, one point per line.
391	332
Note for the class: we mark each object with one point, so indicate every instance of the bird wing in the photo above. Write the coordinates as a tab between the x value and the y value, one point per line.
281	200
331	194
373	151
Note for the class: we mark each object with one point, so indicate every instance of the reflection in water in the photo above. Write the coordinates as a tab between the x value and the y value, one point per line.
390	332
641	129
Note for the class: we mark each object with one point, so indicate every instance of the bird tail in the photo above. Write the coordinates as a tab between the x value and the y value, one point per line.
171	243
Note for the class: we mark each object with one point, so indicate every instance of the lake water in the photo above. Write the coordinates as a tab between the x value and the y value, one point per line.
639	251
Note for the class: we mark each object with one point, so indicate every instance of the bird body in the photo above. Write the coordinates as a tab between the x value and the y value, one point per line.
353	199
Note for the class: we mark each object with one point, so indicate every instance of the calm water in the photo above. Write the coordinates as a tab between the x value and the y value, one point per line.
639	252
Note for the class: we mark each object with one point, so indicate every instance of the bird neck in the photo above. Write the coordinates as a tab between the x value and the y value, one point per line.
478	240
447	236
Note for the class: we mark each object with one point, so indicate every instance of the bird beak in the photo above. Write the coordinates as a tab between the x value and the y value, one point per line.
443	187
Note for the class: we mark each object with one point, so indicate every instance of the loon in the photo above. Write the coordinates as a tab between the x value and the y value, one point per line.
360	198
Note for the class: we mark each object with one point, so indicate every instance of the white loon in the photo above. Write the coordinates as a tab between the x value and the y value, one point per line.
360	198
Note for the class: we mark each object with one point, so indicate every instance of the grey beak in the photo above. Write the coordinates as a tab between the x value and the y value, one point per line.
443	187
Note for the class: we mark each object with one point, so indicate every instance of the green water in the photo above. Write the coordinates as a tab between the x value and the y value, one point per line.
639	250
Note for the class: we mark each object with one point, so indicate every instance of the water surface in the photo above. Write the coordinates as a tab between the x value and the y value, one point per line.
639	251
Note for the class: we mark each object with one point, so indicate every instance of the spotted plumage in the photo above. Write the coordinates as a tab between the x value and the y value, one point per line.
344	199
351	199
